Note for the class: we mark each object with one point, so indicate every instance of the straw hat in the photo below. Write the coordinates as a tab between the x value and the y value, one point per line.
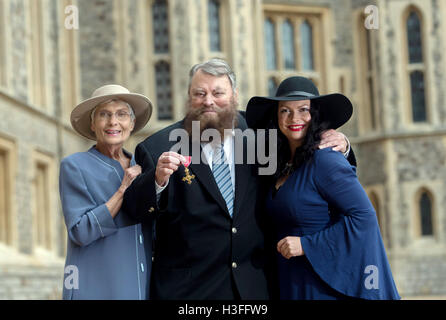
81	114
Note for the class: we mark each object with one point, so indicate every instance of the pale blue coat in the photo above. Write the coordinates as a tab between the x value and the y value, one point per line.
112	256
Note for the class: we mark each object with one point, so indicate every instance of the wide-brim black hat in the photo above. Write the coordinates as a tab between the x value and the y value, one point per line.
335	109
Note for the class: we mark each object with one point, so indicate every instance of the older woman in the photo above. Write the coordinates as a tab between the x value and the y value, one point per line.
328	239
108	254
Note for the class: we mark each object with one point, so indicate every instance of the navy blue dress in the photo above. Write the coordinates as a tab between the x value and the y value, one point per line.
323	203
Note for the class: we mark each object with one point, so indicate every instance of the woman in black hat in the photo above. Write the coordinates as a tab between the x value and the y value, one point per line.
328	239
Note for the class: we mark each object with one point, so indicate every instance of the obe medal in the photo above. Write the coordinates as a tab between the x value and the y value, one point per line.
188	178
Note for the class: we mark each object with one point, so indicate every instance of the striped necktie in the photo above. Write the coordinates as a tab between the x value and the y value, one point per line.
222	176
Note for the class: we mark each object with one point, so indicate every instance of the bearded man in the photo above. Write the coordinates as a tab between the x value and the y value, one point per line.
209	241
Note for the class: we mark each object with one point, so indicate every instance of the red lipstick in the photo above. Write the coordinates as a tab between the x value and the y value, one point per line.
296	127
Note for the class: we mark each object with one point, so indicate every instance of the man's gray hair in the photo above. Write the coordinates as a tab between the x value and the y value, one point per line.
132	114
216	67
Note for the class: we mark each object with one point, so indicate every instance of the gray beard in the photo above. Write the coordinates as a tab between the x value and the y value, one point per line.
227	118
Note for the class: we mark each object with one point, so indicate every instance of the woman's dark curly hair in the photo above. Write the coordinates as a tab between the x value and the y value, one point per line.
306	150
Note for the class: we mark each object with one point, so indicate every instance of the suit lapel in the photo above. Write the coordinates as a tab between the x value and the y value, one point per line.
204	174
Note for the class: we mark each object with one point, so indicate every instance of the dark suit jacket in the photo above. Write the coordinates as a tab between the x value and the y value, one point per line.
200	251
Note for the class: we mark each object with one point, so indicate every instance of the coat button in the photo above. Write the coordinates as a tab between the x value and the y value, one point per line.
234	265
234	230
151	209
140	239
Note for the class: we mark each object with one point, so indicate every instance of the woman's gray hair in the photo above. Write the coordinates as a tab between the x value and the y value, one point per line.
216	67
132	114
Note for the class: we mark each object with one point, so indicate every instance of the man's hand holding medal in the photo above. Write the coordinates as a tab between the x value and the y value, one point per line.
168	163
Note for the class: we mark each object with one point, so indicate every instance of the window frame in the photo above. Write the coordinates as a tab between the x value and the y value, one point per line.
169	72
154	58
4	43
417	228
274	33
220	19
384	220
317	17
9	148
293	30
51	248
70	66
368	116
37	67
224	25
411	67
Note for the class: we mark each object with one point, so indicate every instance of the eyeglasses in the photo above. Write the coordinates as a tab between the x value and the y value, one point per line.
120	115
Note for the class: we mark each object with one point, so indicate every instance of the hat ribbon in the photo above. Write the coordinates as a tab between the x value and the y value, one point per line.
298	93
